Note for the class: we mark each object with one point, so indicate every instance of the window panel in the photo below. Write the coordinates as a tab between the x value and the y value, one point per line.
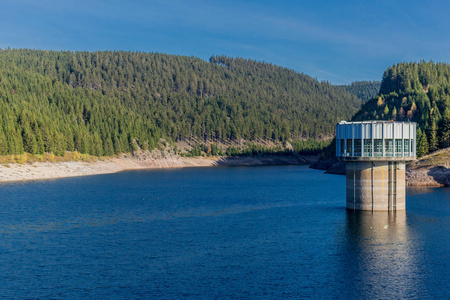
388	147
349	147
398	147
357	145
378	147
367	147
406	148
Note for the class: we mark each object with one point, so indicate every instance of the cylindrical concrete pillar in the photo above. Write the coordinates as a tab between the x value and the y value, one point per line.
375	185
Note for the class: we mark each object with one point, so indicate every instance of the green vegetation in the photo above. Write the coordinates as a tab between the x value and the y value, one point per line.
202	149
364	90
304	147
46	157
310	146
252	149
418	92
105	103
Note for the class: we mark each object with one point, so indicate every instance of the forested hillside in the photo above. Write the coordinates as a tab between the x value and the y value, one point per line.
364	90
103	103
418	92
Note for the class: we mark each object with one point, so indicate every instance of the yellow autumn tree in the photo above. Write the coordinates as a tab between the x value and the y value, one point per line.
386	111
380	101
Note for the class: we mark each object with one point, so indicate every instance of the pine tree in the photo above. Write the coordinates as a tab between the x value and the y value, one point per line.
29	141
433	138
422	143
108	148
445	135
3	143
40	143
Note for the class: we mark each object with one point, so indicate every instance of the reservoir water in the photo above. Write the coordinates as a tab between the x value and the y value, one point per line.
229	232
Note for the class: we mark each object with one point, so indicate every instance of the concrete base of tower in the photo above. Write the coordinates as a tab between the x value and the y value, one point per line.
375	185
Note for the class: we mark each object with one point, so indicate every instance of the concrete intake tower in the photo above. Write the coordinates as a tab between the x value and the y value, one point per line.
375	153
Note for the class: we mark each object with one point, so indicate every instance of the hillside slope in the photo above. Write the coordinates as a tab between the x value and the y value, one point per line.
418	92
113	102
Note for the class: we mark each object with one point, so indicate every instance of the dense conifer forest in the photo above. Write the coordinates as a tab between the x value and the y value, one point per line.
418	92
364	90
105	103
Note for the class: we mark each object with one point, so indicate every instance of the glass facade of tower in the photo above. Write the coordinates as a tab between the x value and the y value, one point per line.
376	139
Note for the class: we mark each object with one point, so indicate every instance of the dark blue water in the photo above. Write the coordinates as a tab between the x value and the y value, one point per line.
242	232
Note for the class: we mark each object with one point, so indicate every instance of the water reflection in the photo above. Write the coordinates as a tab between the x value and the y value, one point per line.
380	256
417	190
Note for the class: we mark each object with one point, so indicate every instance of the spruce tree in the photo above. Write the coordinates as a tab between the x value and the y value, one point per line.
445	135
422	143
3	143
434	143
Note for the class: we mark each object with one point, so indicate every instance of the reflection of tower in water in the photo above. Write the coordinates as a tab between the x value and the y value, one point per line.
379	255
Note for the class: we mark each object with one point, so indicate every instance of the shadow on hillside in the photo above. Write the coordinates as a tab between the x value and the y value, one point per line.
263	160
440	174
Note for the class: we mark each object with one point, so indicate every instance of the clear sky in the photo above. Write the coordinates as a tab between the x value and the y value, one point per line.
338	41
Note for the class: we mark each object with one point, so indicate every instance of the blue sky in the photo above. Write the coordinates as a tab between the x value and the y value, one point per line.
338	41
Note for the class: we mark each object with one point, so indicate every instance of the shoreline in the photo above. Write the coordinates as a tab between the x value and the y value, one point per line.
138	161
418	174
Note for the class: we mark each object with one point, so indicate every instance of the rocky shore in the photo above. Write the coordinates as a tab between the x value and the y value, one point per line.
430	170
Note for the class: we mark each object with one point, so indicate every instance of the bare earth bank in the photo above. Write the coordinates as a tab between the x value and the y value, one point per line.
430	170
141	160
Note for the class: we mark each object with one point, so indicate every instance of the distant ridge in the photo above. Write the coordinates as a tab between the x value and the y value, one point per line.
364	90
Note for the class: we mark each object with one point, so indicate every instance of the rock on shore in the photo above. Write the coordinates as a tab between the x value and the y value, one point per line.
430	170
